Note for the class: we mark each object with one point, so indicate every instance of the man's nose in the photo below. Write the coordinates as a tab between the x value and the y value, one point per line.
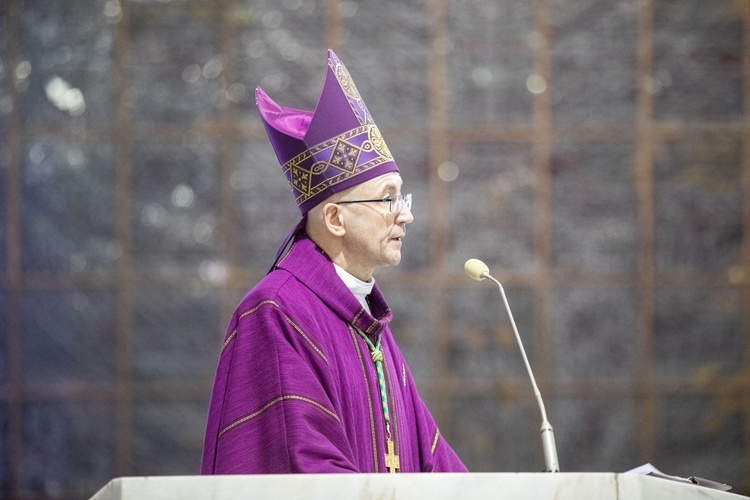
405	216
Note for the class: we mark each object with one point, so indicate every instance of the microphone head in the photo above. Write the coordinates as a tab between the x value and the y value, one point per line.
476	269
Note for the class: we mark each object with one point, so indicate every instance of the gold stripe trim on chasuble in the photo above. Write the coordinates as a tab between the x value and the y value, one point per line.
356	316
274	402
373	436
231	336
289	320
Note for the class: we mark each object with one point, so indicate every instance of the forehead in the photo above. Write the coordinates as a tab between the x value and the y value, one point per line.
390	182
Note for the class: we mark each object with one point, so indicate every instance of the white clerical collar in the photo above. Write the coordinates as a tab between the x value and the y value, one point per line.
360	289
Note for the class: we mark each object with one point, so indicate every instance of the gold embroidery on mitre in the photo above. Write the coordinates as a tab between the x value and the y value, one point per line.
343	154
378	143
301	178
346	82
351	92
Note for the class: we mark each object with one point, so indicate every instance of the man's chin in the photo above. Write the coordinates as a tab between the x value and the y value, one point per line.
394	260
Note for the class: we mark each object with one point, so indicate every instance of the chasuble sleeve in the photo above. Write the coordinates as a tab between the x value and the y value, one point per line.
269	410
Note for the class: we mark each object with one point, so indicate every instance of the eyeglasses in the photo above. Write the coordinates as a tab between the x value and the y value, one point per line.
395	203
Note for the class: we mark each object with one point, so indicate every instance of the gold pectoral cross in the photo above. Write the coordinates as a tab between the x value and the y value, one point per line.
391	459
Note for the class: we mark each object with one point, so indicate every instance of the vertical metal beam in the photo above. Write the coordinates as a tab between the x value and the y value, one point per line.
13	224
332	22
228	145
644	179
438	143
542	153
745	13
123	269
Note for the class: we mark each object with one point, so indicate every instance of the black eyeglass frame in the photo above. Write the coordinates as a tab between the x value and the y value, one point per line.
405	199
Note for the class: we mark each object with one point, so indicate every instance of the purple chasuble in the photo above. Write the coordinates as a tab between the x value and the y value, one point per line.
296	389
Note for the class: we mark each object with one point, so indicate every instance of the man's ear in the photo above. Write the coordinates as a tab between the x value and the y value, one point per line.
333	217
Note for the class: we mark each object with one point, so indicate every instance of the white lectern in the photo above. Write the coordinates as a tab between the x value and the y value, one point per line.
513	486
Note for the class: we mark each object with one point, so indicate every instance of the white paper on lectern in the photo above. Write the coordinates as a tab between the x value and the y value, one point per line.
650	470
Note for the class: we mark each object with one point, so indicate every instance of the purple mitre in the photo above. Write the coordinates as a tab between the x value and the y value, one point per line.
331	149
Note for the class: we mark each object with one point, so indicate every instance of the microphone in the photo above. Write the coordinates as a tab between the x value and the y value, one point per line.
478	270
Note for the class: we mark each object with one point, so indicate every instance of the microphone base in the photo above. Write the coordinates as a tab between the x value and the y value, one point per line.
550	450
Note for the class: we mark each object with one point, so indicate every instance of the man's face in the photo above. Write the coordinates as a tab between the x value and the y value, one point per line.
373	234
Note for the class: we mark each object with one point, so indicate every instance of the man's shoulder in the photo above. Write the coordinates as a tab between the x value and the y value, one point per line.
280	296
276	285
280	288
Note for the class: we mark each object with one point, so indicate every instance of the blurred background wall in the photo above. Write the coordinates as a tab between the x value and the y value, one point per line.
595	153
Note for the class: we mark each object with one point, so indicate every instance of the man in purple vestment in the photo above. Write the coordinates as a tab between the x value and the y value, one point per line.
310	378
